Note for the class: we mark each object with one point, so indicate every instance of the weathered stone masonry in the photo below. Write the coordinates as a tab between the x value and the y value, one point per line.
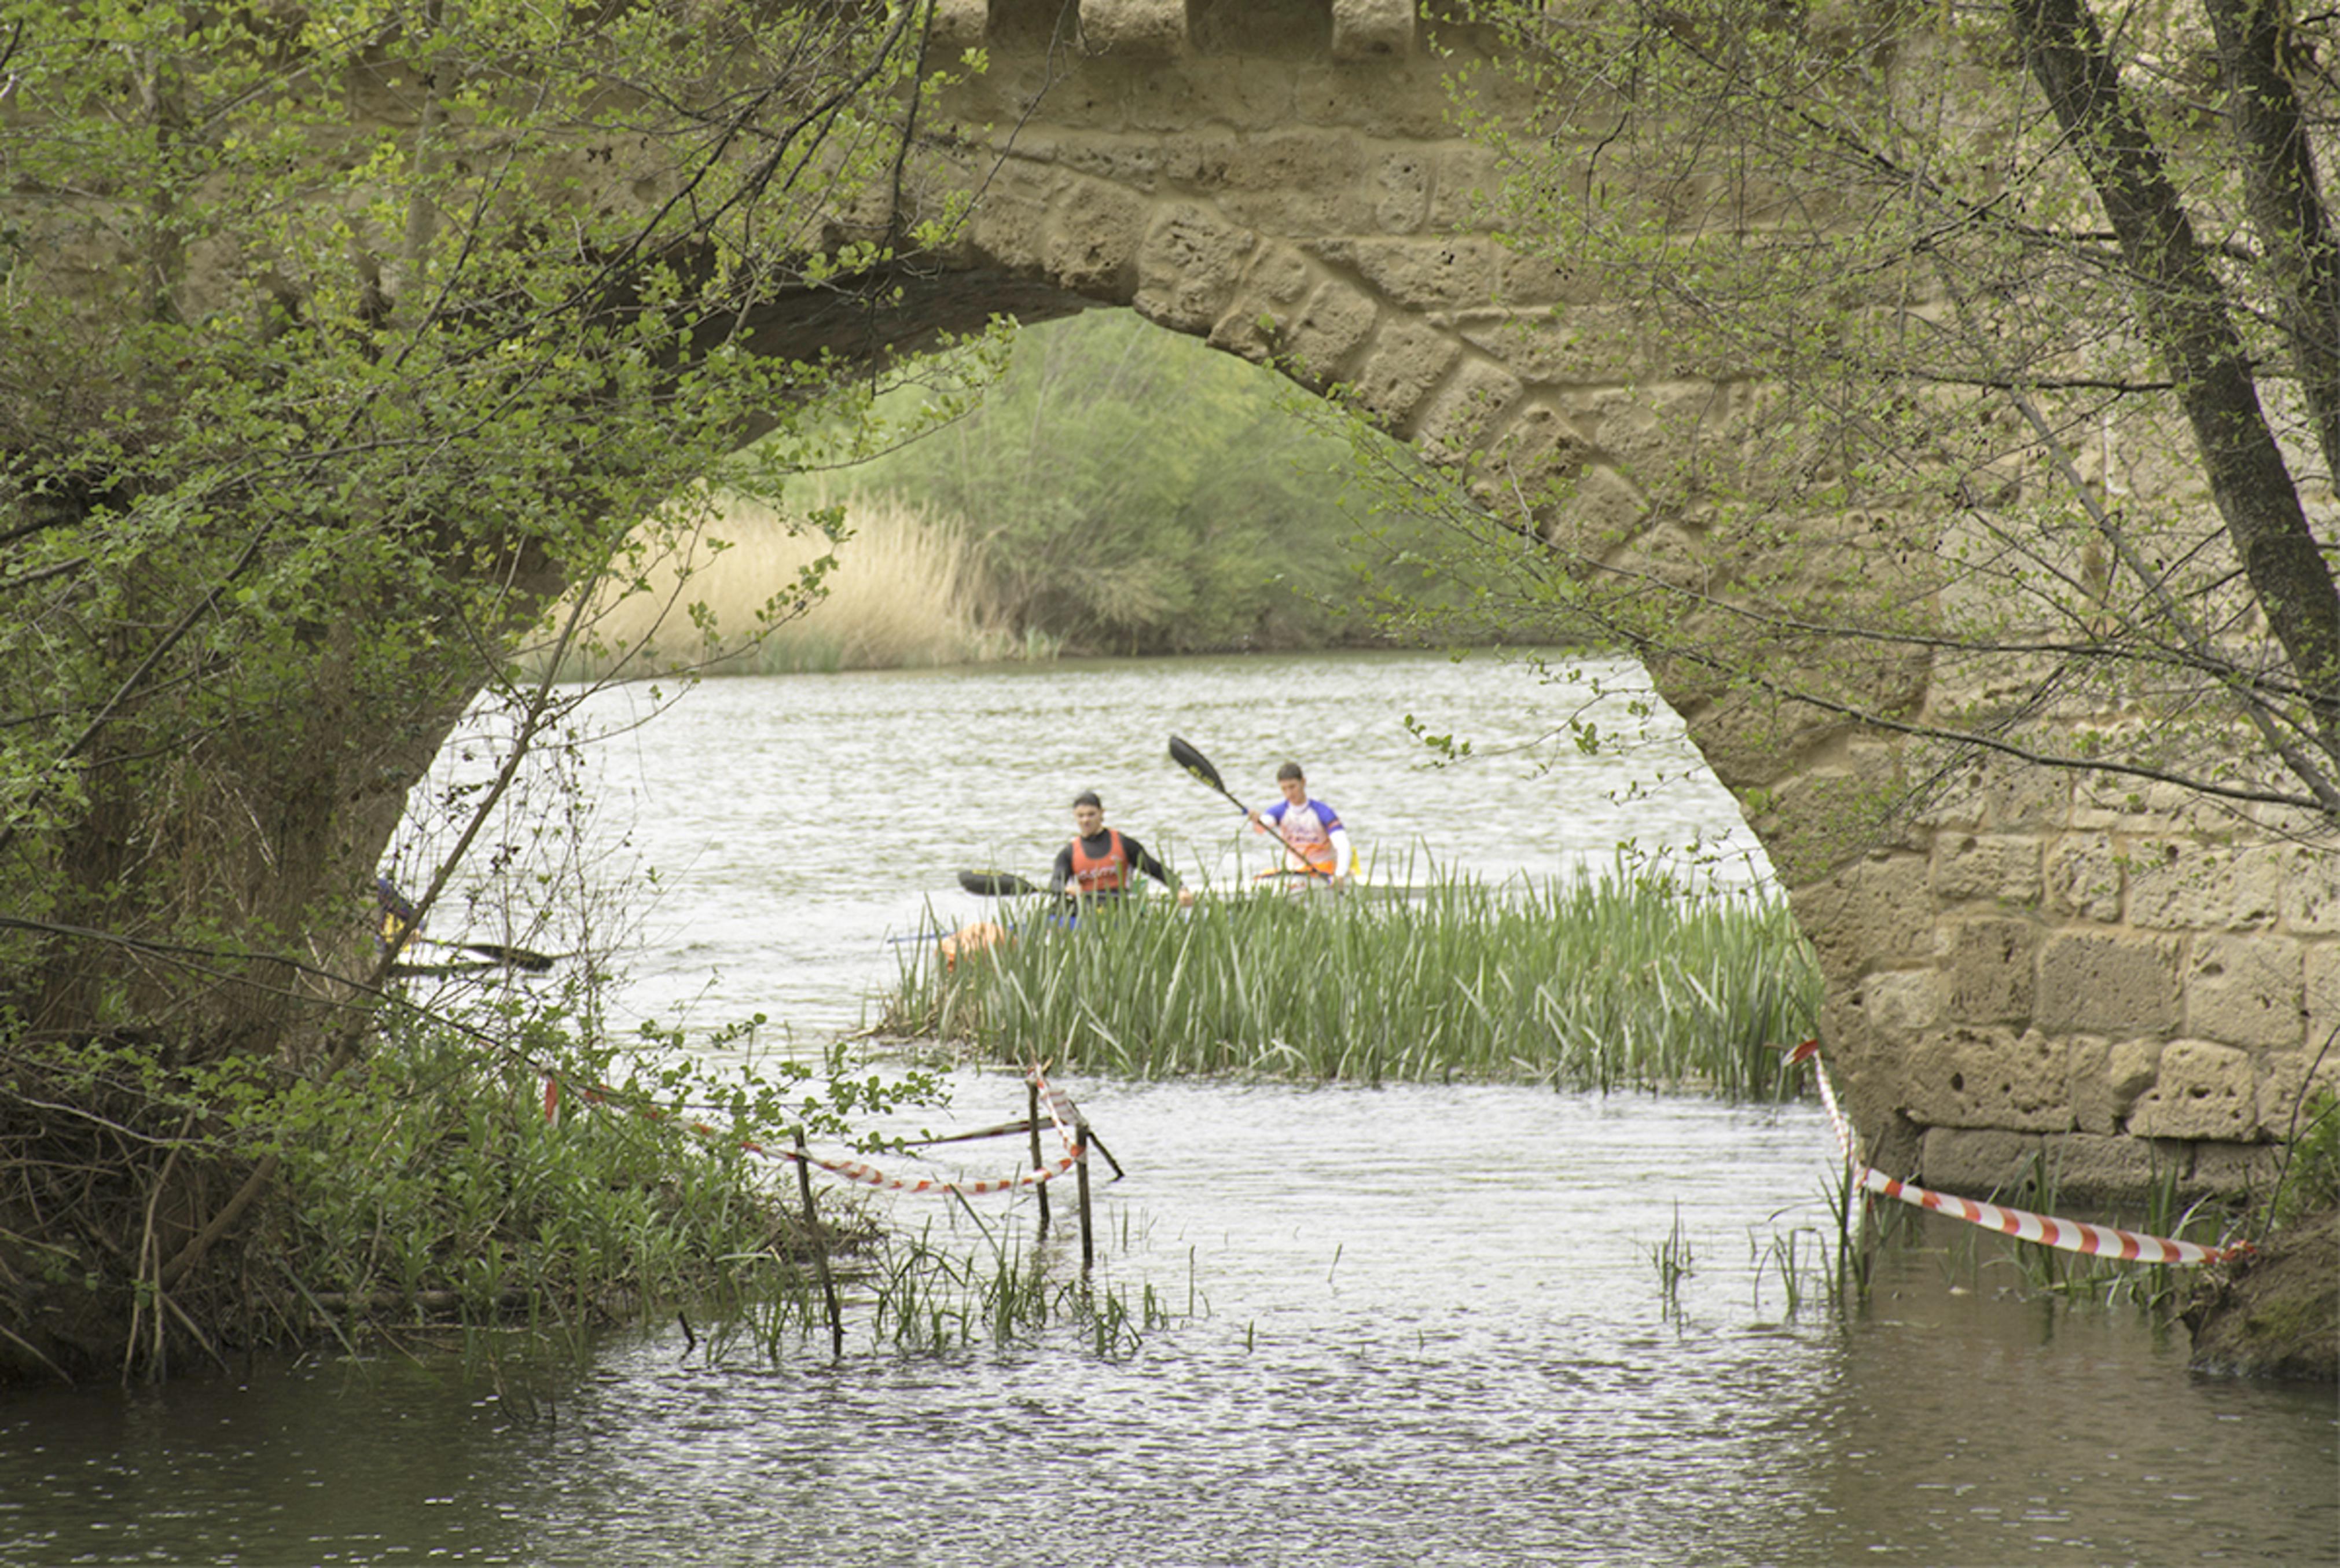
2033	967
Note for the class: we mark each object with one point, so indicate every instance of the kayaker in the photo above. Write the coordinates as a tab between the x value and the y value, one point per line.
1103	861
1314	842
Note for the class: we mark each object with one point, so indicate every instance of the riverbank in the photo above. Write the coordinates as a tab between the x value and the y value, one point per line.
2275	1314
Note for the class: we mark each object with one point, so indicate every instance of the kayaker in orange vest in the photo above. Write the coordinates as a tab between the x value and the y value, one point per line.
1313	839
1103	861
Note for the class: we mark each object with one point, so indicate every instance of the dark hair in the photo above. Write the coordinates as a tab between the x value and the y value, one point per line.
1087	798
1291	770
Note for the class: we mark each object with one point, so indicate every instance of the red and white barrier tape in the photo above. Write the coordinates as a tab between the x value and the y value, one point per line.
1060	1111
854	1170
2071	1235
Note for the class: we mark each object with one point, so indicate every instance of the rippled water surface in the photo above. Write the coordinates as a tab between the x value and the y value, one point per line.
797	825
1414	1325
1428	1331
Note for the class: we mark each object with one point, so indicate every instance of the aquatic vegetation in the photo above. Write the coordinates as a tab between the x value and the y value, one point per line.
434	1188
1676	1260
918	1293
1609	981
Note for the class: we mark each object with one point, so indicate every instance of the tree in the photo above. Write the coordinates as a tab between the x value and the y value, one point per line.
1131	491
336	343
1985	351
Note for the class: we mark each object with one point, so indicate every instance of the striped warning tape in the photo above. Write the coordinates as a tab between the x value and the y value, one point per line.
1060	1111
854	1170
2071	1235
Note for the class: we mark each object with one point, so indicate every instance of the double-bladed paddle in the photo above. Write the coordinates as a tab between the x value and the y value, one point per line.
514	958
997	884
1184	754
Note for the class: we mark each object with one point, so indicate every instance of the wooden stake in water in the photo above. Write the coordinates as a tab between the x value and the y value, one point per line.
820	1250
1032	1093
1081	1134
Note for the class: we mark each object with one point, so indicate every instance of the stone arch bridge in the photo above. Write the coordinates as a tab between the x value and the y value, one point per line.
2023	970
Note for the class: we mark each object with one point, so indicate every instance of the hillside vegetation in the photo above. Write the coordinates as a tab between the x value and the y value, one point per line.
1118	490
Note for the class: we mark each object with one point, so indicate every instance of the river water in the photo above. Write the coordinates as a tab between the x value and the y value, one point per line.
1410	1325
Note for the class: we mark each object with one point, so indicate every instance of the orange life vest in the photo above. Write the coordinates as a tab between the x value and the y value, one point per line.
1105	873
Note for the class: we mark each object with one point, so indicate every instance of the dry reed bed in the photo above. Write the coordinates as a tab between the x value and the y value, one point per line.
747	594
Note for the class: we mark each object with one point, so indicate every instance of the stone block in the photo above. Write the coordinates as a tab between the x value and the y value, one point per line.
2321	983
2082	872
2288	1081
1300	184
1989	1077
1902	1004
1371	29
2004	868
2246	990
2311	890
2121	803
1392	98
2107	1076
1992	970
2179	885
1332	325
1425	274
1009	225
1467	178
2093	1168
1587	342
2017	795
959	24
2109	984
1145	29
1406	360
1871	914
2204	1090
1189	266
1985	1164
1095	235
1471	405
2225	1170
1401	201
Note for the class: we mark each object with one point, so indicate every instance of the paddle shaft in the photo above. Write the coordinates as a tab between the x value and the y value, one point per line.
1183	752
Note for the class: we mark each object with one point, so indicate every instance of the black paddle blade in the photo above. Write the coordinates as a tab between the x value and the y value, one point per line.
1194	762
517	957
995	884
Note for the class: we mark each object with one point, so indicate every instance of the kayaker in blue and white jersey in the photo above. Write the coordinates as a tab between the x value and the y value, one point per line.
1105	862
1314	842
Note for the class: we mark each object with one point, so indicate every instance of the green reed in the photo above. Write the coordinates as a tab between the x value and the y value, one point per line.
2035	1270
1614	979
916	1294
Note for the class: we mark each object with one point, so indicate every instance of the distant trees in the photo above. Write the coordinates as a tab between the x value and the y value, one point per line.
1127	490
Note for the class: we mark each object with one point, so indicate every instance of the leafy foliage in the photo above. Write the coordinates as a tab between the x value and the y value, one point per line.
1127	490
336	343
1960	384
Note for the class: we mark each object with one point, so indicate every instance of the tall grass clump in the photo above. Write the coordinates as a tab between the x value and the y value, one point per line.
756	594
1614	979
